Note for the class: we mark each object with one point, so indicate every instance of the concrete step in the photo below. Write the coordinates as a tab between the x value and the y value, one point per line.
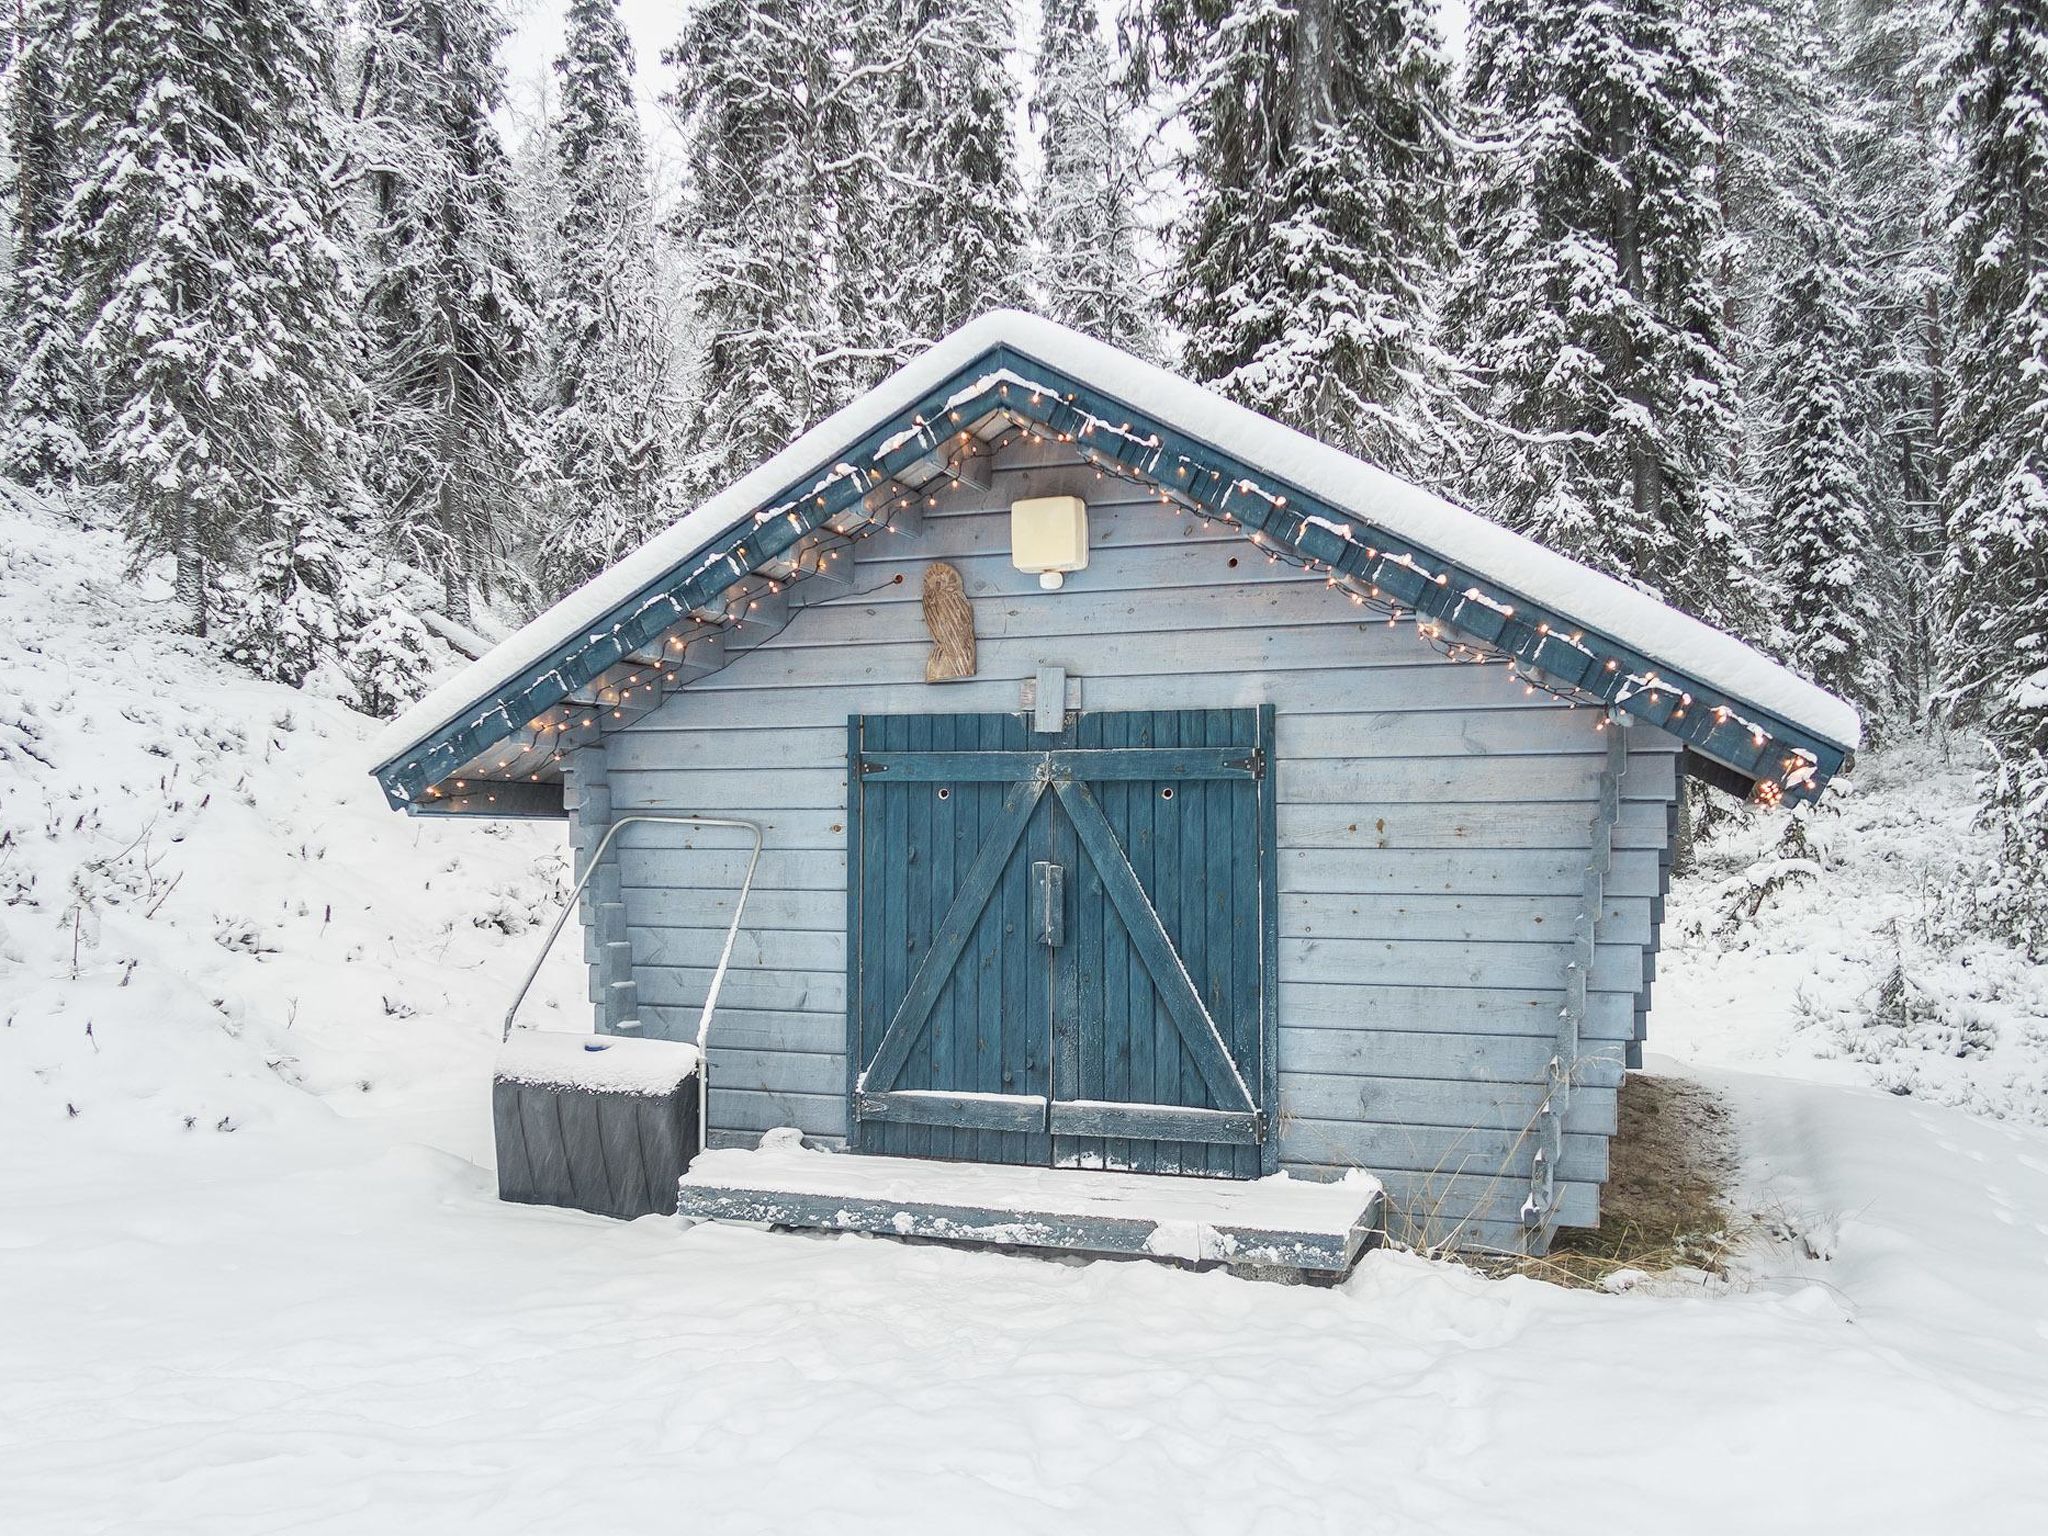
1277	1224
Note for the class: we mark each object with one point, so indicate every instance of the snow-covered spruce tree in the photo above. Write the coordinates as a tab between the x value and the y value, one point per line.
1795	284
1090	261
1896	167
1313	242
448	310
1585	304
387	661
776	141
213	298
292	609
1815	472
42	405
605	430
1995	580
963	250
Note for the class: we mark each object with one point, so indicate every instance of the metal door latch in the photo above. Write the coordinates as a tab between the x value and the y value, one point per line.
1049	880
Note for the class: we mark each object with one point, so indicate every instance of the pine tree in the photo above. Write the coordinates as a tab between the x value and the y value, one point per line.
1995	581
1090	267
1314	240
1817	485
292	609
447	307
42	407
604	442
966	251
388	659
1795	287
1894	162
776	139
213	295
1586	303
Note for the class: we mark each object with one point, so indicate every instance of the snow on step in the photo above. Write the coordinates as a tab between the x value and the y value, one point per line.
1277	1221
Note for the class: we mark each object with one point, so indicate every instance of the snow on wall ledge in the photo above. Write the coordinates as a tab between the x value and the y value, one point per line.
1407	512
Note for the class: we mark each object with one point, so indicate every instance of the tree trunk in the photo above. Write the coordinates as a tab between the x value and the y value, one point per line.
1681	834
456	551
190	581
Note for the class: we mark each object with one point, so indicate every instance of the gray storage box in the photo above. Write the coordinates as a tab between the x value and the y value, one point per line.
594	1123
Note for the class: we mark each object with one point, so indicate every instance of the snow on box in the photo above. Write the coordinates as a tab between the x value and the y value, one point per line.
1407	512
599	1063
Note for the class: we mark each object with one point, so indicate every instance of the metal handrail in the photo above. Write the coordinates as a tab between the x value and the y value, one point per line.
732	934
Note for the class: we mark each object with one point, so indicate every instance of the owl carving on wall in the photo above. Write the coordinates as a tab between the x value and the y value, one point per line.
951	622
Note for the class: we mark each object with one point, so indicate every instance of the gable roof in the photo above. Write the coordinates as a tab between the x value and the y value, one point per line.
1560	620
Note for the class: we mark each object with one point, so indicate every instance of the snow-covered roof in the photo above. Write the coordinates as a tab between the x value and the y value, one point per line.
1401	512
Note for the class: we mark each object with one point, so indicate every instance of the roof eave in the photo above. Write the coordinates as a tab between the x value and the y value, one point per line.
1739	734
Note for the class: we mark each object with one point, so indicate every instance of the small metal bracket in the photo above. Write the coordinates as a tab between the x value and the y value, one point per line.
1255	760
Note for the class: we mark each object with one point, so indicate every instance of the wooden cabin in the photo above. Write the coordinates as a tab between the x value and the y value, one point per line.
1144	787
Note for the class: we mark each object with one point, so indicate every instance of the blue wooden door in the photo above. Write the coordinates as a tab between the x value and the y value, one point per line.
1060	946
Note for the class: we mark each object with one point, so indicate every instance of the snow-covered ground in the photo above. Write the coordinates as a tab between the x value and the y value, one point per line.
1860	964
253	1277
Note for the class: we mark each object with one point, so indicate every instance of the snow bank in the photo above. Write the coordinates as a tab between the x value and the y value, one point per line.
1854	955
209	922
1407	512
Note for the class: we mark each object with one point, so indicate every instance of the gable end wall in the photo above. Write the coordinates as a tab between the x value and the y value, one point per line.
1432	825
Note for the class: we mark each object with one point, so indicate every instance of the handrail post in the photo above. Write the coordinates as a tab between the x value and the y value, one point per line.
732	934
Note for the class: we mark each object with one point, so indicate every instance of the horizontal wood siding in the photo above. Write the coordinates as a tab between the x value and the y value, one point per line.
1432	819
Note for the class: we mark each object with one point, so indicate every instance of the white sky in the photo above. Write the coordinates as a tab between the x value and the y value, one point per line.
536	39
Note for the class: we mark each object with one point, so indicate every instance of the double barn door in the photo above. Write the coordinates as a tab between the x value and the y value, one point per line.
1060	946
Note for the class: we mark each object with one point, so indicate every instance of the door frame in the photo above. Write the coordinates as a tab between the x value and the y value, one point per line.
1268	1067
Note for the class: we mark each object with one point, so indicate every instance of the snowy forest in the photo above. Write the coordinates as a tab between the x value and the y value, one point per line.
1743	301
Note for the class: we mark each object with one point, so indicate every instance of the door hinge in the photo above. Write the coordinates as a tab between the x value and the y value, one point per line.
868	765
1255	760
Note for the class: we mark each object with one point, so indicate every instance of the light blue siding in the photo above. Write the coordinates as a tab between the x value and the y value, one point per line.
1432	819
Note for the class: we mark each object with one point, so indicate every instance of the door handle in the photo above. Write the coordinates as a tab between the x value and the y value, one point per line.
1050	881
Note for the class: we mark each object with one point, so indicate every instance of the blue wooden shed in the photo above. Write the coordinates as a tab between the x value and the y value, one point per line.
1144	788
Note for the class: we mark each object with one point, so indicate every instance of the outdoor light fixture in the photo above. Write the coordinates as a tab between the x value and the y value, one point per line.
1049	536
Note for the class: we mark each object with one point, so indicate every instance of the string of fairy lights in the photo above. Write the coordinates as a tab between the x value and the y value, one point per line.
542	743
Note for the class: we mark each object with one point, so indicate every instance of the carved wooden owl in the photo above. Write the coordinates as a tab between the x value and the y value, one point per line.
951	622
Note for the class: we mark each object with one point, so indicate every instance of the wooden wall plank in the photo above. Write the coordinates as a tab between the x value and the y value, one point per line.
1318	824
1508	781
1417	1101
1328	871
1449	1010
1374	1147
1499	919
1469	963
1455	1057
686	739
675	965
738	1109
1429	1208
1465	694
1493	919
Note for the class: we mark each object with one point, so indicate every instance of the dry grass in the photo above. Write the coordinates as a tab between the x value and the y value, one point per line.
1665	1206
